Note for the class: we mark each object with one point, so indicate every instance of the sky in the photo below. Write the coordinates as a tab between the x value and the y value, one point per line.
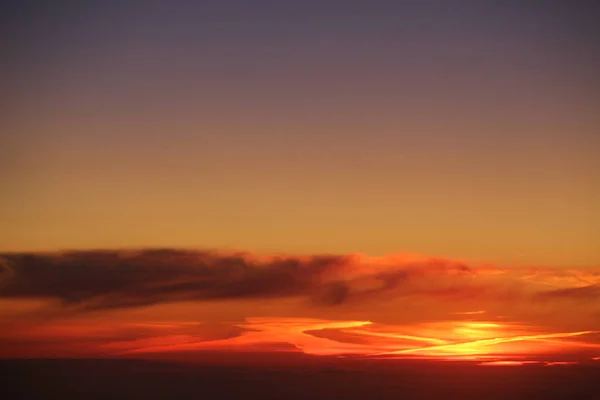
464	130
383	179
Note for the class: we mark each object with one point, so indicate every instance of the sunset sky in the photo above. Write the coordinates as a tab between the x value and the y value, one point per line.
369	178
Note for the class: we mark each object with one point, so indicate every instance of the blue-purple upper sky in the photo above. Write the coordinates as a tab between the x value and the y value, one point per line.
462	128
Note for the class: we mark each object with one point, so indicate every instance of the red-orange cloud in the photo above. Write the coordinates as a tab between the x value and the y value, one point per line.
84	304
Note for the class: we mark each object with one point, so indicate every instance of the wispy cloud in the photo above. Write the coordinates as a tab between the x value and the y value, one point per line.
480	340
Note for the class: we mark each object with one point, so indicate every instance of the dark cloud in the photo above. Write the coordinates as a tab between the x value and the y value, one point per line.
88	280
116	279
332	294
108	279
5	270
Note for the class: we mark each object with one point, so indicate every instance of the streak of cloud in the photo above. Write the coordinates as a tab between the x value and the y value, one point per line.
440	340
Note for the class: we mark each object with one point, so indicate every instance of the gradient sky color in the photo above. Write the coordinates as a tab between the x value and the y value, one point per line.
465	129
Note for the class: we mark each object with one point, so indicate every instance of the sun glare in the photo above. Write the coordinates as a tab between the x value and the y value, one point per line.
490	342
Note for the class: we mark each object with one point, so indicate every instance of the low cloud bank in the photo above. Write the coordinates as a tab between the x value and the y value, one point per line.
94	280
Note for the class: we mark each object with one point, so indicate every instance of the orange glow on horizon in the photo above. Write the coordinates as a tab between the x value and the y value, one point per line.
449	340
505	363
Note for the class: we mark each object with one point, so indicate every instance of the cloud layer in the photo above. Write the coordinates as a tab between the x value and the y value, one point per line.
88	280
106	279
